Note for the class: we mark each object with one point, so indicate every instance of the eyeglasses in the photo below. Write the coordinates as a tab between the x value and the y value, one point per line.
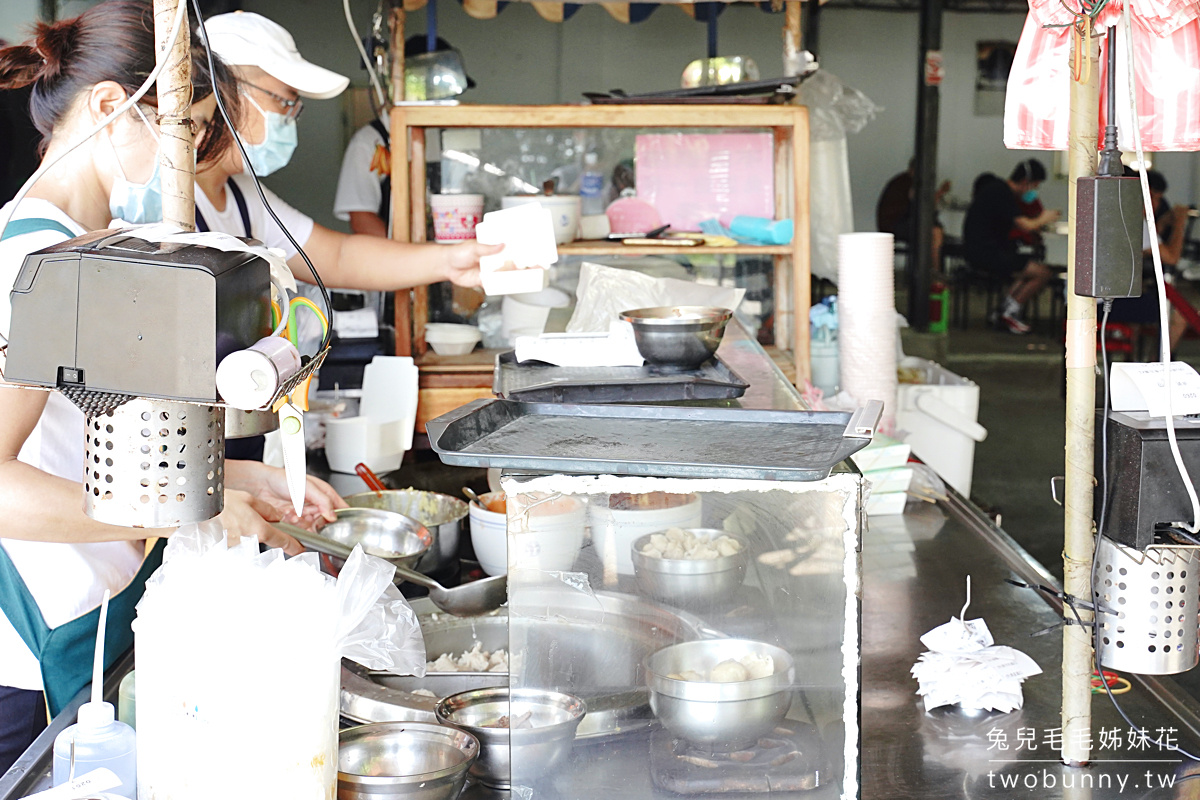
291	107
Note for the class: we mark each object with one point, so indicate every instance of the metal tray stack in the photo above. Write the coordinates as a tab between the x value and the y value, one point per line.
665	441
539	382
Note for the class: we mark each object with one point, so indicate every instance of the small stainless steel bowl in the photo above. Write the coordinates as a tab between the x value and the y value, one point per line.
683	337
718	713
416	760
386	534
688	581
442	514
521	755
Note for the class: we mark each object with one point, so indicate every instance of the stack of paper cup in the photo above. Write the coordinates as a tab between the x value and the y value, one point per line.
867	319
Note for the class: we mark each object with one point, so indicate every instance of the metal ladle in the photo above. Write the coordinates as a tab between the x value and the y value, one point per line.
468	600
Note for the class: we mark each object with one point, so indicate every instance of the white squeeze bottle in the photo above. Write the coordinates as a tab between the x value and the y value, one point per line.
99	739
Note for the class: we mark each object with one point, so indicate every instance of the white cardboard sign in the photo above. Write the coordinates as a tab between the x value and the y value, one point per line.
1141	387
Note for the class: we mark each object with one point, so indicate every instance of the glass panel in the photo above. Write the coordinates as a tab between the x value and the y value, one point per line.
702	625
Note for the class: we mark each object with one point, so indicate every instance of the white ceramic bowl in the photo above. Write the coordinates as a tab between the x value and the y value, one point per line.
564	210
448	339
530	311
614	529
548	537
489	536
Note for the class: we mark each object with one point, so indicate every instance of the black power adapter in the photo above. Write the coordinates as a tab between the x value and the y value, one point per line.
1108	237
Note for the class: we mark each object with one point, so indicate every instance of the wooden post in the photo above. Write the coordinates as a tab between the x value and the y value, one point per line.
400	186
177	156
1078	532
791	38
801	248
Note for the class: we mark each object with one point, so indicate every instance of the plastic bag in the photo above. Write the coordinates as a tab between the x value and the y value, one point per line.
835	109
604	292
237	645
1166	51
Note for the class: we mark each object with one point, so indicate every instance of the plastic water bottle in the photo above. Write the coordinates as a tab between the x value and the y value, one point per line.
97	739
591	186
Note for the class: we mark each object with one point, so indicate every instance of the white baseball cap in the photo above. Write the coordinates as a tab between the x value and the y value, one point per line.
246	39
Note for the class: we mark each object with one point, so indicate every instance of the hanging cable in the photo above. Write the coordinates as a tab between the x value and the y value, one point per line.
380	97
258	185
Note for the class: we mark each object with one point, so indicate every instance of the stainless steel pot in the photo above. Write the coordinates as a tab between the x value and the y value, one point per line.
442	514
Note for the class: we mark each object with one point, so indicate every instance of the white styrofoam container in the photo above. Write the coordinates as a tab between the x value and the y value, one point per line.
886	504
883	452
940	416
896	479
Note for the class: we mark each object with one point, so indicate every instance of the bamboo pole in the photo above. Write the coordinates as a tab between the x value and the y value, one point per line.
1078	531
177	157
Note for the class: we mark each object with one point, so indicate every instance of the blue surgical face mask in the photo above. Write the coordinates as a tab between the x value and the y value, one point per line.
137	203
1029	196
275	150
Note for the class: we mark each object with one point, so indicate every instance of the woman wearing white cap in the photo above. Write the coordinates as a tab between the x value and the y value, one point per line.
273	78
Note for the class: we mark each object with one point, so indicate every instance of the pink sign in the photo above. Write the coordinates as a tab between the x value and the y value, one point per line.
691	177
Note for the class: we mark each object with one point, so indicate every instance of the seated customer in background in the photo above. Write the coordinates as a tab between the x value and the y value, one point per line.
1170	224
987	245
894	212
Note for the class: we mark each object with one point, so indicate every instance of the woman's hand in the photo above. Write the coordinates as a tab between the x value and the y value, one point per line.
462	261
245	515
269	486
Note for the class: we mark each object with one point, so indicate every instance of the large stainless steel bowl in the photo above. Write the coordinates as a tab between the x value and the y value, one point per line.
596	645
415	760
521	755
689	581
386	534
442	514
683	337
719	713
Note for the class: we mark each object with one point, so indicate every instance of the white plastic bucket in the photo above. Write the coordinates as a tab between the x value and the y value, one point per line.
940	415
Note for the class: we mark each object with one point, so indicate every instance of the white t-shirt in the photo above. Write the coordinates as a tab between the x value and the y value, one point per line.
262	227
66	580
360	188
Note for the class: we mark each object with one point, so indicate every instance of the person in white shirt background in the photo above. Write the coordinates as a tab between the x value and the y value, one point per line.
364	184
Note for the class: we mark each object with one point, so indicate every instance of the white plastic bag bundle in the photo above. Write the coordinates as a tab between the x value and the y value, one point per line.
238	664
604	292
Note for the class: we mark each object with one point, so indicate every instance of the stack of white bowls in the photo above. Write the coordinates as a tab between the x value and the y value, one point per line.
867	319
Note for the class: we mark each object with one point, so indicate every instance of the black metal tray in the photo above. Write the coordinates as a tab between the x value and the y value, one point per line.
539	382
663	441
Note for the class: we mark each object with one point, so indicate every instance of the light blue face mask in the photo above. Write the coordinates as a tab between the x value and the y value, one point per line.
275	150
134	203
1029	196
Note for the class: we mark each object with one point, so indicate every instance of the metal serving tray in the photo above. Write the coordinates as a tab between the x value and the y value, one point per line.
539	382
663	441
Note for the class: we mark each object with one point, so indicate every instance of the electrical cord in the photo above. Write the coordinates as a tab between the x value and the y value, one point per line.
176	24
1160	285
381	99
257	184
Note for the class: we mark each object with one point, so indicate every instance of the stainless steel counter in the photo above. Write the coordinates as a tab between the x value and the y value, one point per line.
914	574
914	571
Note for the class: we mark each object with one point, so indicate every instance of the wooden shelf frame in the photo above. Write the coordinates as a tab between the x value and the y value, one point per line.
788	124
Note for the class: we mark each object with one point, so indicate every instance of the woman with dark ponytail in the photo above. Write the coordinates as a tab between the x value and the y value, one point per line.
55	562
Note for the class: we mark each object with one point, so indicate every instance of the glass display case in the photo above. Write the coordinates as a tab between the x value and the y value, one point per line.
672	636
